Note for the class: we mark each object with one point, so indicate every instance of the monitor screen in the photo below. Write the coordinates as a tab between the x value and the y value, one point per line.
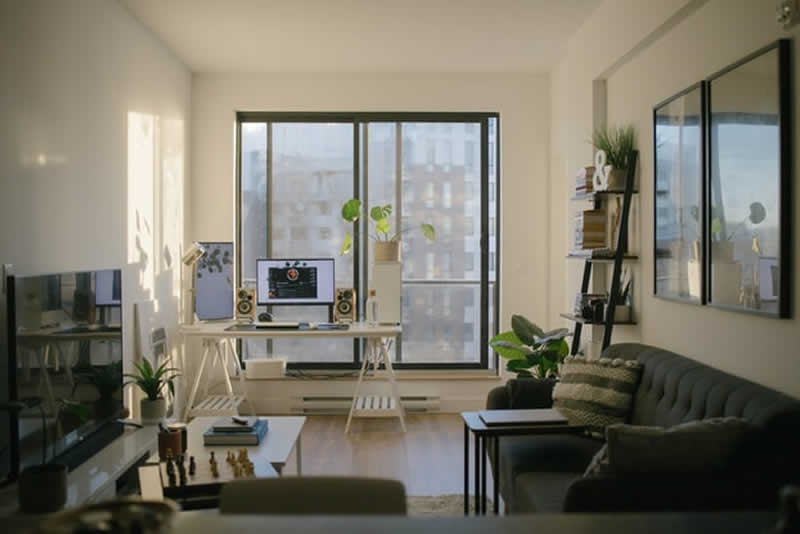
291	281
108	288
214	282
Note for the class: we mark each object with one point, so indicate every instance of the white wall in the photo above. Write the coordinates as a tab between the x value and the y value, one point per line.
93	144
674	43
521	101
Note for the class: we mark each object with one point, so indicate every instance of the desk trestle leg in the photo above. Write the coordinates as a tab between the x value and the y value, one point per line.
373	405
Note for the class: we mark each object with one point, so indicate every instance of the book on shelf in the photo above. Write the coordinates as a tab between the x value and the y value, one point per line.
253	437
583	181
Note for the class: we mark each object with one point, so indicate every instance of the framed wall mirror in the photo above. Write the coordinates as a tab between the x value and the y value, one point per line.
749	185
678	141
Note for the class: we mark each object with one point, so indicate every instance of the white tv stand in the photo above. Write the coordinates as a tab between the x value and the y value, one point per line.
96	478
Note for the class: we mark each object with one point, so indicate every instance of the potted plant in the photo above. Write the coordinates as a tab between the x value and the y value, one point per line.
618	143
152	381
386	244
42	488
107	381
529	350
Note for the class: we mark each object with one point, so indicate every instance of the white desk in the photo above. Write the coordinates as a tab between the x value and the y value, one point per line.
217	337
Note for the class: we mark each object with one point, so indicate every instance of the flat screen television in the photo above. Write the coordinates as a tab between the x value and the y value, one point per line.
68	364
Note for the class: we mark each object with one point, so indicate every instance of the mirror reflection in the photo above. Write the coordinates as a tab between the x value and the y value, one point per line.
744	223
678	197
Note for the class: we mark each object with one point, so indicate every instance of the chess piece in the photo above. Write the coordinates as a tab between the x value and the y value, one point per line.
170	467
192	466
211	459
171	478
237	471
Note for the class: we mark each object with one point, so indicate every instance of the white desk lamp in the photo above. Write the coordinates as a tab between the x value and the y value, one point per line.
190	259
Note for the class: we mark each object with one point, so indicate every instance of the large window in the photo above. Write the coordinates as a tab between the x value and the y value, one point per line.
296	171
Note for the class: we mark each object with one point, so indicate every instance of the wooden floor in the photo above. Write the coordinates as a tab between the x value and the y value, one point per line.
428	458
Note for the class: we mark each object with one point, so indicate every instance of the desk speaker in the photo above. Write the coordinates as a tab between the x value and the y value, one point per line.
245	304
344	310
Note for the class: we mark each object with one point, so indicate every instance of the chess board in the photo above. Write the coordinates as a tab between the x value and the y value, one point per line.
203	484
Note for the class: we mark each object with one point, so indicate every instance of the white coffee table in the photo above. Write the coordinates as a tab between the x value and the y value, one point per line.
283	436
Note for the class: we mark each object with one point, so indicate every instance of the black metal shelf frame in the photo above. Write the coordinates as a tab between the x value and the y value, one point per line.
620	256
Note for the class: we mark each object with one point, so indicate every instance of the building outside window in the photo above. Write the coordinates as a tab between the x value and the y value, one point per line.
296	172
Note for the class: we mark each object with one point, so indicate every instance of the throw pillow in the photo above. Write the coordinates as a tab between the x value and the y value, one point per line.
703	446
596	392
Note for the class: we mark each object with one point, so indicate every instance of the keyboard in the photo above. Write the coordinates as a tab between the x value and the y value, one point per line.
286	325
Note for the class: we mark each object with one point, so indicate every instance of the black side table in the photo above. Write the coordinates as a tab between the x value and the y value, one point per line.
473	423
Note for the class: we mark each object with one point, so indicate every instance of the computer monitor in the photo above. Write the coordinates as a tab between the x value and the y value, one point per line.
108	288
295	281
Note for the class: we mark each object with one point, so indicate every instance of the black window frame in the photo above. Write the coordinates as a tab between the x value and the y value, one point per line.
359	240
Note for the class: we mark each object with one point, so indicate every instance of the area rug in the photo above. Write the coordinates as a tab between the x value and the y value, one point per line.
441	506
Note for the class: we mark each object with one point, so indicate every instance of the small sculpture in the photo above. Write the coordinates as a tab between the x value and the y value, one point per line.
192	466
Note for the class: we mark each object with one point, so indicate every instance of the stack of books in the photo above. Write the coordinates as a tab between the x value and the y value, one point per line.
583	181
225	431
590	229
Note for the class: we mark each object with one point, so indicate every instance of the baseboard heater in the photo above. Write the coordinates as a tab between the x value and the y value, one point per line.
330	405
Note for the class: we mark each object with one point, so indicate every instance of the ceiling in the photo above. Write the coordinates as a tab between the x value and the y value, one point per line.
364	35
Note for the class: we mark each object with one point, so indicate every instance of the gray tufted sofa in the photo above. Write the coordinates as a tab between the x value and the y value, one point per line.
544	473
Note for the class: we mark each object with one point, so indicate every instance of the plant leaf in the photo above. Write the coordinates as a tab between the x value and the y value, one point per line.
387	210
553	335
515	366
351	210
347	245
428	231
171	387
376	213
525	330
498	344
382	226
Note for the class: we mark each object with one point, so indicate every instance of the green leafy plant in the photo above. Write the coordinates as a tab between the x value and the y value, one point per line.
617	142
531	351
152	381
756	216
106	380
379	217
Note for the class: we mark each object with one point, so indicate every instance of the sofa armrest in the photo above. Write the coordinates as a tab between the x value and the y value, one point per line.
498	399
658	493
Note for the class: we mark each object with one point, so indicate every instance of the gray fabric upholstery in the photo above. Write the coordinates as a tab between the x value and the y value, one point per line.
541	492
569	454
696	447
314	495
673	389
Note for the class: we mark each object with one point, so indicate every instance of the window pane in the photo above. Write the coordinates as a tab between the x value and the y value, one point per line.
312	176
443	322
253	197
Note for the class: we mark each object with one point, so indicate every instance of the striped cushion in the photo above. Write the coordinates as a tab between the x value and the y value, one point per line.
596	392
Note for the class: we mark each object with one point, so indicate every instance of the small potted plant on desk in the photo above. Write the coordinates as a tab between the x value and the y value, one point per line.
530	351
152	381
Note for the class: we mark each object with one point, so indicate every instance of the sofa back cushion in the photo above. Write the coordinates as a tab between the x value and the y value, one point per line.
596	392
674	389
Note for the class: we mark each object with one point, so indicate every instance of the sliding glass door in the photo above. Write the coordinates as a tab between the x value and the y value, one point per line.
296	171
